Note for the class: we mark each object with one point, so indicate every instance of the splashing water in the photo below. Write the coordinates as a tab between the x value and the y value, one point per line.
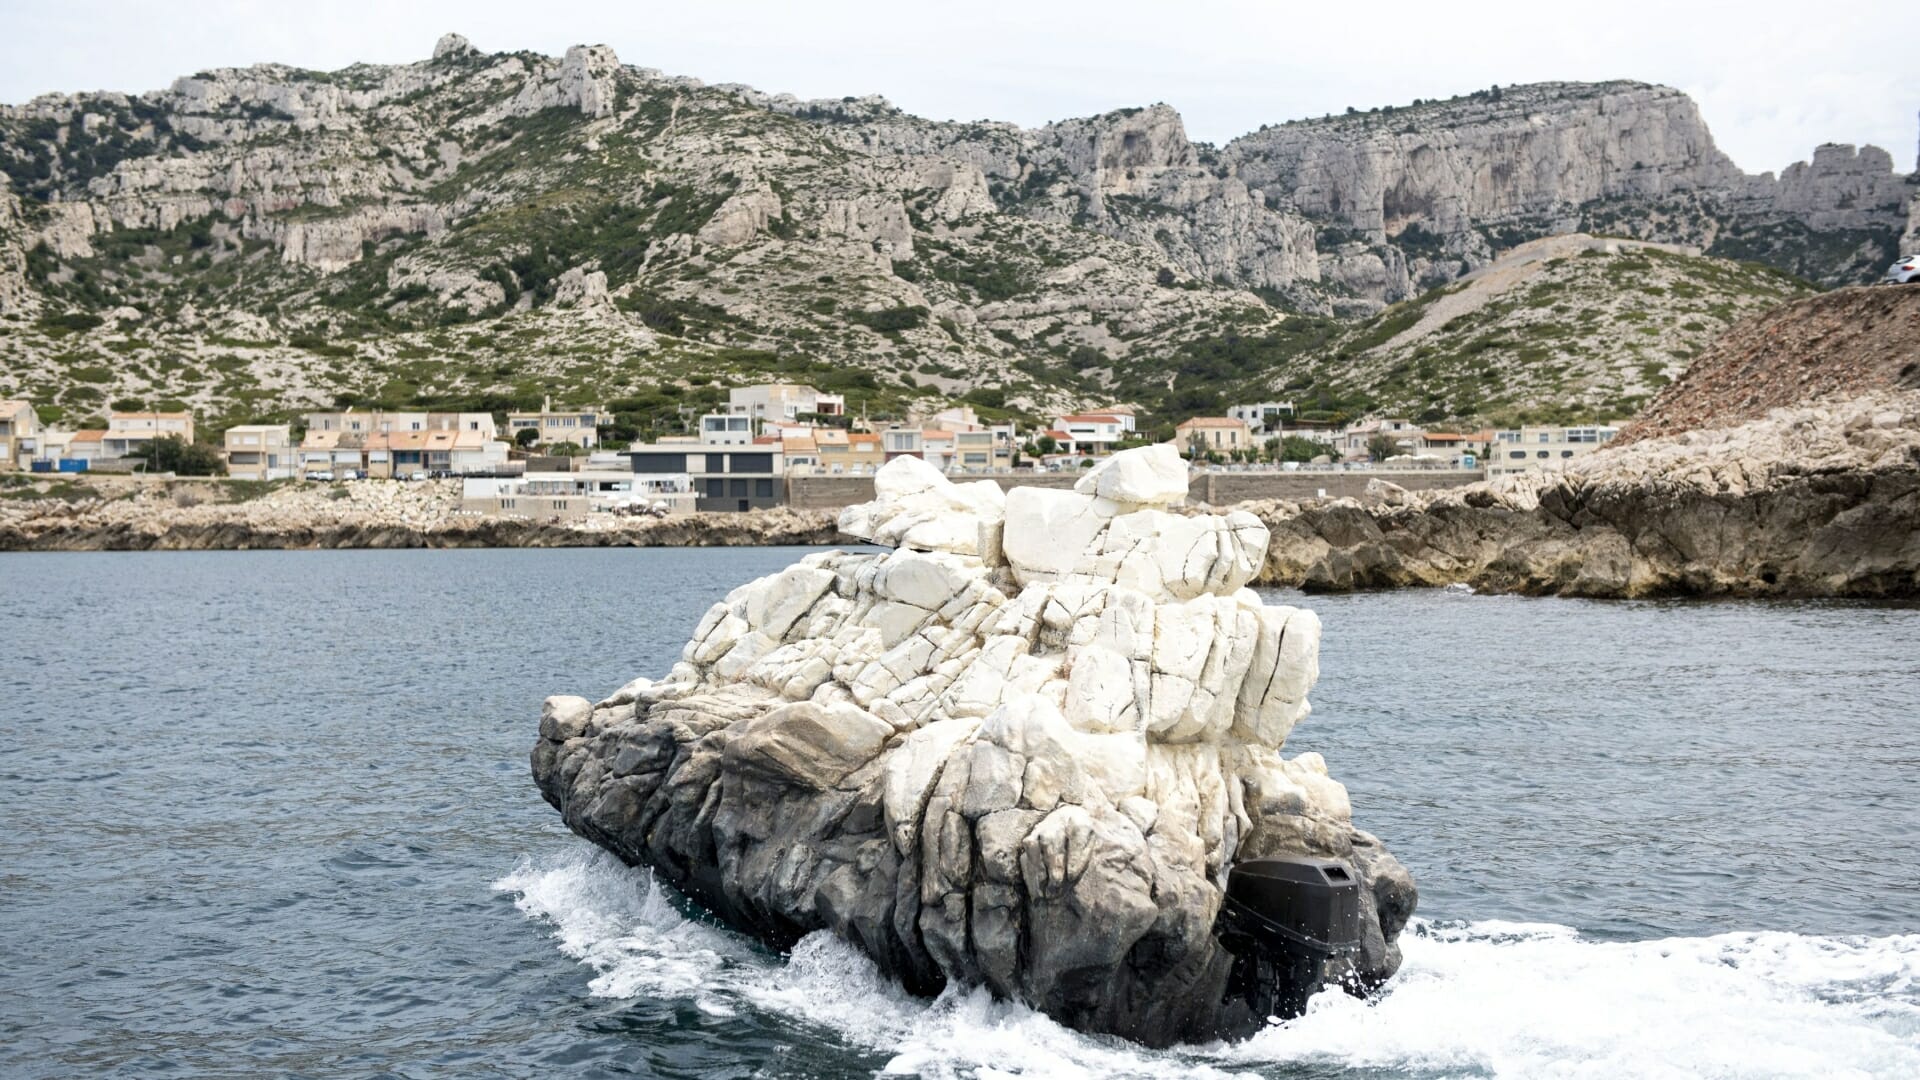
1489	999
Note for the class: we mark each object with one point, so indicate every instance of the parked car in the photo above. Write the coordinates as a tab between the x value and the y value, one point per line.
1904	269
320	475
417	476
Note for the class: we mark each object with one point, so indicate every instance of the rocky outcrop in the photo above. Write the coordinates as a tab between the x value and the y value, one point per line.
1023	749
1822	500
14	292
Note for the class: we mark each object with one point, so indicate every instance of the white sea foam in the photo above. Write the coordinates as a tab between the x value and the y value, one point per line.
1482	999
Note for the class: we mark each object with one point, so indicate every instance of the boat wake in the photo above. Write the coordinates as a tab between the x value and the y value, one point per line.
1490	999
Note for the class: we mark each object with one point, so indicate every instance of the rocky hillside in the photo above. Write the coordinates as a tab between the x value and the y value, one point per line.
1838	344
1559	328
478	229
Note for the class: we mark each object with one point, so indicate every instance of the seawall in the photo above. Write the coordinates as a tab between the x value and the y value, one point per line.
1211	488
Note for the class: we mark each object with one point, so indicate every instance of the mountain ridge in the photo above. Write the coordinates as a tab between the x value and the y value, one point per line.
502	223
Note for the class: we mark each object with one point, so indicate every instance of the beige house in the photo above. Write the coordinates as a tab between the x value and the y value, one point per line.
19	434
1218	434
850	452
260	452
1406	436
387	444
571	496
1537	449
580	426
131	432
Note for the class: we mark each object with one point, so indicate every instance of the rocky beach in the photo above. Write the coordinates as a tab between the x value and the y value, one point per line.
123	514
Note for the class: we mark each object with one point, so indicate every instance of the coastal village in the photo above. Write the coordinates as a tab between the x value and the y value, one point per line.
776	444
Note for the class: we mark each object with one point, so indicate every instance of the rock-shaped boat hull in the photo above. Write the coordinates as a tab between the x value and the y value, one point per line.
991	759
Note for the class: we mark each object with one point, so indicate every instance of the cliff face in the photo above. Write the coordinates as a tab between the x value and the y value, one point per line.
1441	183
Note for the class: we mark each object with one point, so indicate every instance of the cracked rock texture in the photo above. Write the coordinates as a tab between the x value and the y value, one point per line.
1022	749
1819	500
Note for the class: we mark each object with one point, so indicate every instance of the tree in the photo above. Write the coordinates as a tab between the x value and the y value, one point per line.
170	453
1381	446
1046	444
1299	448
526	437
1196	446
1274	449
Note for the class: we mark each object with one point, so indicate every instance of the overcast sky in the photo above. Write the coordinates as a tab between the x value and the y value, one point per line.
1773	79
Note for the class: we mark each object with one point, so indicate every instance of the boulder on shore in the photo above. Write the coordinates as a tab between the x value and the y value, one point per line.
1023	749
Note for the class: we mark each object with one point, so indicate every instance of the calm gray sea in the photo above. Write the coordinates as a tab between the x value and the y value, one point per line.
269	814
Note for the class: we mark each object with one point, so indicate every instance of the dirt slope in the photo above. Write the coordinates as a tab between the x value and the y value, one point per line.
1838	344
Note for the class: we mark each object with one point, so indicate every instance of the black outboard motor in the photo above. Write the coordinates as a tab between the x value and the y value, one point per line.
1292	925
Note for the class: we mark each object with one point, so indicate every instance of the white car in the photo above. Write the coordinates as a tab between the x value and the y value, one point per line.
1904	269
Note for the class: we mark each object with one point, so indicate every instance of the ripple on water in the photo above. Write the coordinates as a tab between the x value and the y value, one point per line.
1491	998
253	835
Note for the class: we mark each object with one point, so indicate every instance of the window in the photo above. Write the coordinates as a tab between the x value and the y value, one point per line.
1542	453
716	487
1566	453
659	463
559	504
1517	455
749	463
1544	437
739	488
763	489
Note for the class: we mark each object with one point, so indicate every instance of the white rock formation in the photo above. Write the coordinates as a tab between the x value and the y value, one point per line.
1023	748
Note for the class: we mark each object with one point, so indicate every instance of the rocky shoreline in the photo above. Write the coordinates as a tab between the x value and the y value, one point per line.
121	514
1817	501
1820	501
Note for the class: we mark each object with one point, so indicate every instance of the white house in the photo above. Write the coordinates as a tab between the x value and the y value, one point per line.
1093	432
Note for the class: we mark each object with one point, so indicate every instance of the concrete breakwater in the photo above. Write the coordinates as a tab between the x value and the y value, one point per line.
126	515
1209	488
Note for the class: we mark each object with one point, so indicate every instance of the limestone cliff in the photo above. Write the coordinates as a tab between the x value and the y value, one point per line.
1444	183
270	238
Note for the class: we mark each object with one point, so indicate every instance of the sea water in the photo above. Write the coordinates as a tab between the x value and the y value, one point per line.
269	813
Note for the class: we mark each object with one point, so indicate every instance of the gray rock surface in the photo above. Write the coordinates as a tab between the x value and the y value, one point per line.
1821	500
1024	765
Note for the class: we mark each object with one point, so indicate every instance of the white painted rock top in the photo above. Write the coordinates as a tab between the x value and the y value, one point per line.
1097	625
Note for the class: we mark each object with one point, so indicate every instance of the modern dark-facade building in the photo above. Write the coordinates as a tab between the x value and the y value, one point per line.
733	478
